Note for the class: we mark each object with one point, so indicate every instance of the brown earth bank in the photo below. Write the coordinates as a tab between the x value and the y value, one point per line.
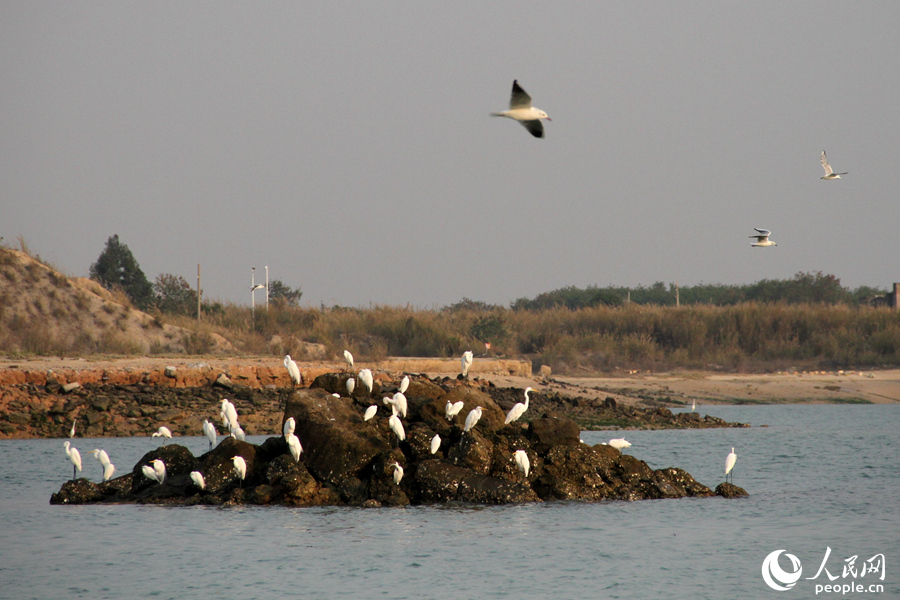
357	451
133	397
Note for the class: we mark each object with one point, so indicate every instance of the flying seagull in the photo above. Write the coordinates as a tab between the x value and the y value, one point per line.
829	172
762	238
521	110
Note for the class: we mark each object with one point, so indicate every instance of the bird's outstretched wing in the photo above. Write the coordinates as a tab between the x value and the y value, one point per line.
519	98
762	232
826	166
536	128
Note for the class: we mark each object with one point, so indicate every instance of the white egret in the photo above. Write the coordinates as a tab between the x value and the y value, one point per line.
762	238
521	110
365	375
829	172
518	409
729	464
229	415
466	361
370	412
523	462
619	443
294	446
72	431
108	471
435	443
197	478
693	406
238	433
159	470
240	467
398	473
404	384
289	426
349	358
351	385
149	472
209	430
101	456
452	409
162	432
397	427
472	418
399	400
74	457
293	370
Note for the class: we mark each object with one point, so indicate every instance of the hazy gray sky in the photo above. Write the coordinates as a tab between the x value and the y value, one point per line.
348	146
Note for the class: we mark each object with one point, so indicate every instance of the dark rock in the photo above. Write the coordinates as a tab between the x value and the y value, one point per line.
547	432
729	490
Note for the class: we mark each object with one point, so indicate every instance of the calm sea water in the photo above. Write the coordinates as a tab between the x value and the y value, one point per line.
818	476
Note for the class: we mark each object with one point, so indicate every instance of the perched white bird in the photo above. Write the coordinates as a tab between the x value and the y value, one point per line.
729	464
74	457
523	462
159	469
399	400
521	110
289	426
404	384
149	472
240	467
101	456
435	443
370	412
293	370
197	478
351	385
365	375
829	172
108	471
397	427
238	433
452	409
349	358
472	418
229	415
72	431
693	405
294	446
619	443
398	473
162	432
466	361
762	239
518	409
209	430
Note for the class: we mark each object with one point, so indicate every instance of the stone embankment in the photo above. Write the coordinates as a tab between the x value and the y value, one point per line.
349	460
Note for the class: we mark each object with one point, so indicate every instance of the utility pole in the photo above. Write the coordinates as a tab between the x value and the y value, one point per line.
267	289
677	303
198	291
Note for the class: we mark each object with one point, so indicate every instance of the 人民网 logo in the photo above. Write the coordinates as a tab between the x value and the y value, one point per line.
776	577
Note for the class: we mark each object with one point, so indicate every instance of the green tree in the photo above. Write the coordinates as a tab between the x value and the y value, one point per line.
280	293
116	267
173	294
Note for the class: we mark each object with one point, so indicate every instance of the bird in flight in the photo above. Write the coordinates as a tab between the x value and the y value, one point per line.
829	172
762	238
521	110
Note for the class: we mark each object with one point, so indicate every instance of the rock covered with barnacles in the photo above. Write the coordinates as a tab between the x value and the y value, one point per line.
347	460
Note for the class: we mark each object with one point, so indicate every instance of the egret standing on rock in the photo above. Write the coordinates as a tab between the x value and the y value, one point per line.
398	473
74	457
404	384
197	478
370	412
293	370
365	375
397	427
472	418
729	465
466	361
209	430
523	462
351	385
108	471
452	409
349	358
102	456
518	409
289	426
229	415
294	446
240	467
619	443
72	431
435	443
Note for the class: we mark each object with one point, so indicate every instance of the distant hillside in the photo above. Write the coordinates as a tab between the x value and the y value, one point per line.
44	312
